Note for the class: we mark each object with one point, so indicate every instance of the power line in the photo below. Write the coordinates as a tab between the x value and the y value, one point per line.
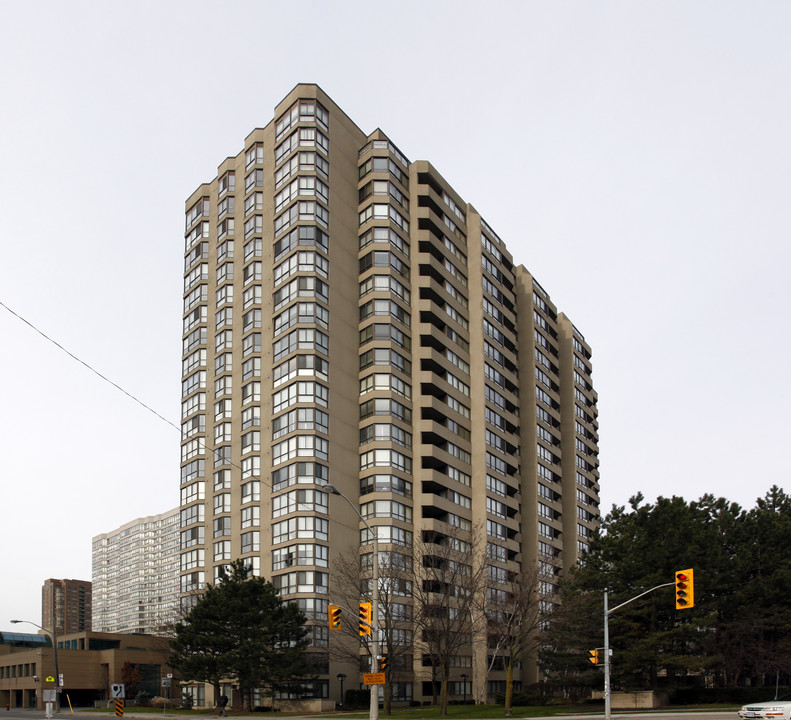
92	369
206	449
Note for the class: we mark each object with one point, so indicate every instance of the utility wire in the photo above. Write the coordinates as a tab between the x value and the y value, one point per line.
92	369
125	392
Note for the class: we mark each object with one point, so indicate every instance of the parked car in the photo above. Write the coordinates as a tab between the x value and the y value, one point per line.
779	709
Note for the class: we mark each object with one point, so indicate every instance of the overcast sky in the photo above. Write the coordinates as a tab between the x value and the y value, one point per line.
634	156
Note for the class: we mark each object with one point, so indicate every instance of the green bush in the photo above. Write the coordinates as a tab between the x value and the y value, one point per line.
521	698
732	696
357	698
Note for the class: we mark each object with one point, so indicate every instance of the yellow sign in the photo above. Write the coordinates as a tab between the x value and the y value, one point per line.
50	678
373	678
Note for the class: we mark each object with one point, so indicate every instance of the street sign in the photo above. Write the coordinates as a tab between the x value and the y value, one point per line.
49	694
119	708
60	679
118	691
49	678
373	678
165	682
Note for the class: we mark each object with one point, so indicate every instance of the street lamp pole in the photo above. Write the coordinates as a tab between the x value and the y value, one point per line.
464	677
54	634
341	677
374	711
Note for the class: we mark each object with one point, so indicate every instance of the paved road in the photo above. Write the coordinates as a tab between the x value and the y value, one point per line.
15	714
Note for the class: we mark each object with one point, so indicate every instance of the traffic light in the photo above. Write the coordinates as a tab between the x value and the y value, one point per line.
335	617
594	656
365	618
382	663
685	589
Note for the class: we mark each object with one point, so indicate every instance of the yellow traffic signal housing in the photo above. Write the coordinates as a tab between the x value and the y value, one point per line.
382	663
365	618
594	656
685	589
335	617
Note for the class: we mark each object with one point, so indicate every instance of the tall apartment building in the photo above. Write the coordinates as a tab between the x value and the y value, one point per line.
66	605
135	571
349	319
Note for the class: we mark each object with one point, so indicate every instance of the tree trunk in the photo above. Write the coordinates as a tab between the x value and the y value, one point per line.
509	687
443	707
386	709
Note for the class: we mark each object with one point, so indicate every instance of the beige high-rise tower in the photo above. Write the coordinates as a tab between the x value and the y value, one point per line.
349	319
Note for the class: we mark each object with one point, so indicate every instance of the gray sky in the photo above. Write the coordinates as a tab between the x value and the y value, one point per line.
634	156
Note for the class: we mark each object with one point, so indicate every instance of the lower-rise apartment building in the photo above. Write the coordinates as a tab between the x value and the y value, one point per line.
135	576
349	319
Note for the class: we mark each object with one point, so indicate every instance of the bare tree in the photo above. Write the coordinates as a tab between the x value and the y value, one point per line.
447	579
514	626
354	584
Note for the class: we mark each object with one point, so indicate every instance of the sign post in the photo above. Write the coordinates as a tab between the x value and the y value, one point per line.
118	693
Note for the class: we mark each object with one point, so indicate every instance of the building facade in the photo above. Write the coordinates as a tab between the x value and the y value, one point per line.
88	662
135	576
350	319
66	605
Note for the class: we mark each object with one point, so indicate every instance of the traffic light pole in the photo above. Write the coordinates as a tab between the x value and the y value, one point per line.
374	709
607	713
607	690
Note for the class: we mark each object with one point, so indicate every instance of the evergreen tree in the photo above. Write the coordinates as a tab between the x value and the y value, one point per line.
239	630
740	626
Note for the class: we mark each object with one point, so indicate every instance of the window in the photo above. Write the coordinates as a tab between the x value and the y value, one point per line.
306	581
385	457
300	527
300	392
251	541
304	261
301	339
300	446
385	331
385	483
300	313
300	554
251	392
386	508
302	500
385	406
384	432
384	258
384	307
299	473
309	286
221	526
222	503
385	381
300	419
251	516
304	235
387	535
